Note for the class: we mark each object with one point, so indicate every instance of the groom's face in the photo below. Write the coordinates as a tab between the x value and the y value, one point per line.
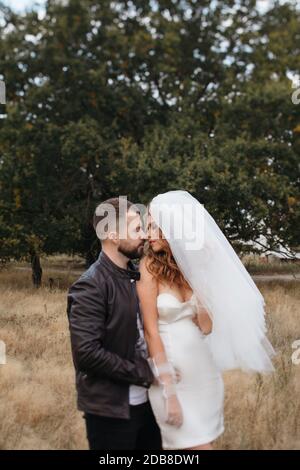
132	236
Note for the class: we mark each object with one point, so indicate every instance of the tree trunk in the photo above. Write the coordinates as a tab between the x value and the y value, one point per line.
36	270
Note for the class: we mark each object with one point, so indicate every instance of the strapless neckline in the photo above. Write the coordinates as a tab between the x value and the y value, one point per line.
171	309
174	297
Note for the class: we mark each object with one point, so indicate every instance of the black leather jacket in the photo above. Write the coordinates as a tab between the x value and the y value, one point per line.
102	312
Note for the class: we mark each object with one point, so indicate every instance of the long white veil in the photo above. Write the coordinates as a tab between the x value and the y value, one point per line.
219	280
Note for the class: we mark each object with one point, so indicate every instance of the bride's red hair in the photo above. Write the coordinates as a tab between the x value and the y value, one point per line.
163	267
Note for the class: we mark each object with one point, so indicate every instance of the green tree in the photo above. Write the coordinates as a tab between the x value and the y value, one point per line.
139	97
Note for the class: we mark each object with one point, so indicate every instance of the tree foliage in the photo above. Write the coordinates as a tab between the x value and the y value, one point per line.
139	97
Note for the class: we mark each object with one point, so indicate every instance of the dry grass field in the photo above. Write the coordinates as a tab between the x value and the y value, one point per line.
37	392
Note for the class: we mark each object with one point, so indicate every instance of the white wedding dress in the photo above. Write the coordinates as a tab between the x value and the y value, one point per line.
200	390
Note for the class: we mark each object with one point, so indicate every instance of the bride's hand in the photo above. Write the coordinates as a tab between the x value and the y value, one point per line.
176	377
173	411
203	321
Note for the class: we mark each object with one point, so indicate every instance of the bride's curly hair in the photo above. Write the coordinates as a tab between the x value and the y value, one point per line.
163	266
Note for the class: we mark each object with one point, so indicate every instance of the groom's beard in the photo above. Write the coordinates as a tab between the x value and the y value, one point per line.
132	253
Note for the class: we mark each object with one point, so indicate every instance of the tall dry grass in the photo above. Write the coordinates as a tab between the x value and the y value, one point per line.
263	411
37	396
37	392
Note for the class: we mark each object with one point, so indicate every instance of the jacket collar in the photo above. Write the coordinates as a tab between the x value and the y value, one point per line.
131	272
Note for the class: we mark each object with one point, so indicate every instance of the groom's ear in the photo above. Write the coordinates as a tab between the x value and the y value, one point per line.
113	236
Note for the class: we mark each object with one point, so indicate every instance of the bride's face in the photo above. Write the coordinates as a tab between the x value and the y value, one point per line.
155	236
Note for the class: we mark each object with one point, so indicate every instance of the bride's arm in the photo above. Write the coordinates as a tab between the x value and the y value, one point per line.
147	290
203	320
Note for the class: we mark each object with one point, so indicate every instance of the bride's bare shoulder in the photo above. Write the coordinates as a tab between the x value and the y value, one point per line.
147	293
143	264
145	272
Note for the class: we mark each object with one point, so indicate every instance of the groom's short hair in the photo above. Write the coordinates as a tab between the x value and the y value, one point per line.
101	209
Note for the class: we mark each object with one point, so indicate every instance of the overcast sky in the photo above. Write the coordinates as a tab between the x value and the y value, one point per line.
20	5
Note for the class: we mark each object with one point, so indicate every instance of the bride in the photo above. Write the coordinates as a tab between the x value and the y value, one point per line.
202	314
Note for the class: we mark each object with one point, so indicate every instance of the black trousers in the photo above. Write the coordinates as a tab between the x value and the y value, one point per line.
140	432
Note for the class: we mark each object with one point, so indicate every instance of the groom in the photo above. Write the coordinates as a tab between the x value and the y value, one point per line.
108	346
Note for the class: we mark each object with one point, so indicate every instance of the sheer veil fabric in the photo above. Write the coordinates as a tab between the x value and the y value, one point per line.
219	281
